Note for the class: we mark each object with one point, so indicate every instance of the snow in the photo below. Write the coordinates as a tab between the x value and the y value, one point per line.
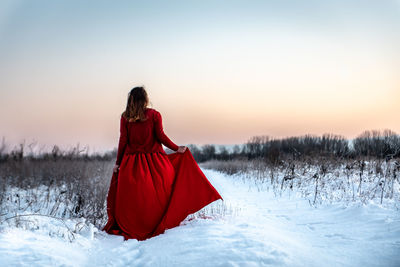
251	227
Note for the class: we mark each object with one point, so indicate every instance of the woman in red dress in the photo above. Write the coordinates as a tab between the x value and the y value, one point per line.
151	191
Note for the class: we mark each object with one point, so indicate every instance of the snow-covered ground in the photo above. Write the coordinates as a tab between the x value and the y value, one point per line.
251	227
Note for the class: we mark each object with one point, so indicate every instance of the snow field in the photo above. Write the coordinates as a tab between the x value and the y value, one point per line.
251	227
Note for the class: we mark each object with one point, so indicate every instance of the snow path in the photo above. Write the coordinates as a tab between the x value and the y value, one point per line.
258	229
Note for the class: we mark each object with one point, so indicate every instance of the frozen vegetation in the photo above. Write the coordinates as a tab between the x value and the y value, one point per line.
302	201
253	226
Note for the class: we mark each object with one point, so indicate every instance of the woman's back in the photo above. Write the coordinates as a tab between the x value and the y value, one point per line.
143	136
151	191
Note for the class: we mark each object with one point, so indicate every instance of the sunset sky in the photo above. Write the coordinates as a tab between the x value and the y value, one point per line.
218	71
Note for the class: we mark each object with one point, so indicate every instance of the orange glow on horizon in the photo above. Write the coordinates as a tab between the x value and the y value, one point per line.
218	81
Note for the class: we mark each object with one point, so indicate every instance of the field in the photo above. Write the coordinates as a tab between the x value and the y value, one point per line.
291	211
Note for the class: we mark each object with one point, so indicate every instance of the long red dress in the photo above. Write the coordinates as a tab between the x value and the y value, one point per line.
153	191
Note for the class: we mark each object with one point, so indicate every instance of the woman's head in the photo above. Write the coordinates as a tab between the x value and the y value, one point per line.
136	104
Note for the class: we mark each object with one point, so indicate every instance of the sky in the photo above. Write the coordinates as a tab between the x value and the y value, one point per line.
219	72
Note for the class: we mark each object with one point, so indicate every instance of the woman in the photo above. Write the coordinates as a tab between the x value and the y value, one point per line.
151	191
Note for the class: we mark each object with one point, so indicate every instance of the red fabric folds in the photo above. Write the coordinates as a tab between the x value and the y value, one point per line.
153	192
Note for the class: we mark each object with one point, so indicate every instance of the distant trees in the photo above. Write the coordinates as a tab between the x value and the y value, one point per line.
208	151
377	144
274	150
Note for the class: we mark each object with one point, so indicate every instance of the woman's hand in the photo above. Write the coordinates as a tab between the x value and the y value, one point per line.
181	149
116	168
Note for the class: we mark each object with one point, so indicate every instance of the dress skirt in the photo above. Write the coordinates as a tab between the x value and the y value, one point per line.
153	192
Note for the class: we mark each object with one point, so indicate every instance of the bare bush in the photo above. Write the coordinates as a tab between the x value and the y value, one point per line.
321	180
74	183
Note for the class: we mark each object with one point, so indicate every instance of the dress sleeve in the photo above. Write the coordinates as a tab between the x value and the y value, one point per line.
160	132
123	140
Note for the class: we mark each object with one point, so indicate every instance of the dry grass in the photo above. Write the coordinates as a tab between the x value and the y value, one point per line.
321	180
73	188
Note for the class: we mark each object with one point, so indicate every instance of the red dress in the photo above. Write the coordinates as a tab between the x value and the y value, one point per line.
153	191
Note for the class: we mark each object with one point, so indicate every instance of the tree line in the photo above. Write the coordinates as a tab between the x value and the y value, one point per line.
377	144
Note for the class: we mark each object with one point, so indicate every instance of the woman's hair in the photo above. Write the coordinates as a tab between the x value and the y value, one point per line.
136	104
